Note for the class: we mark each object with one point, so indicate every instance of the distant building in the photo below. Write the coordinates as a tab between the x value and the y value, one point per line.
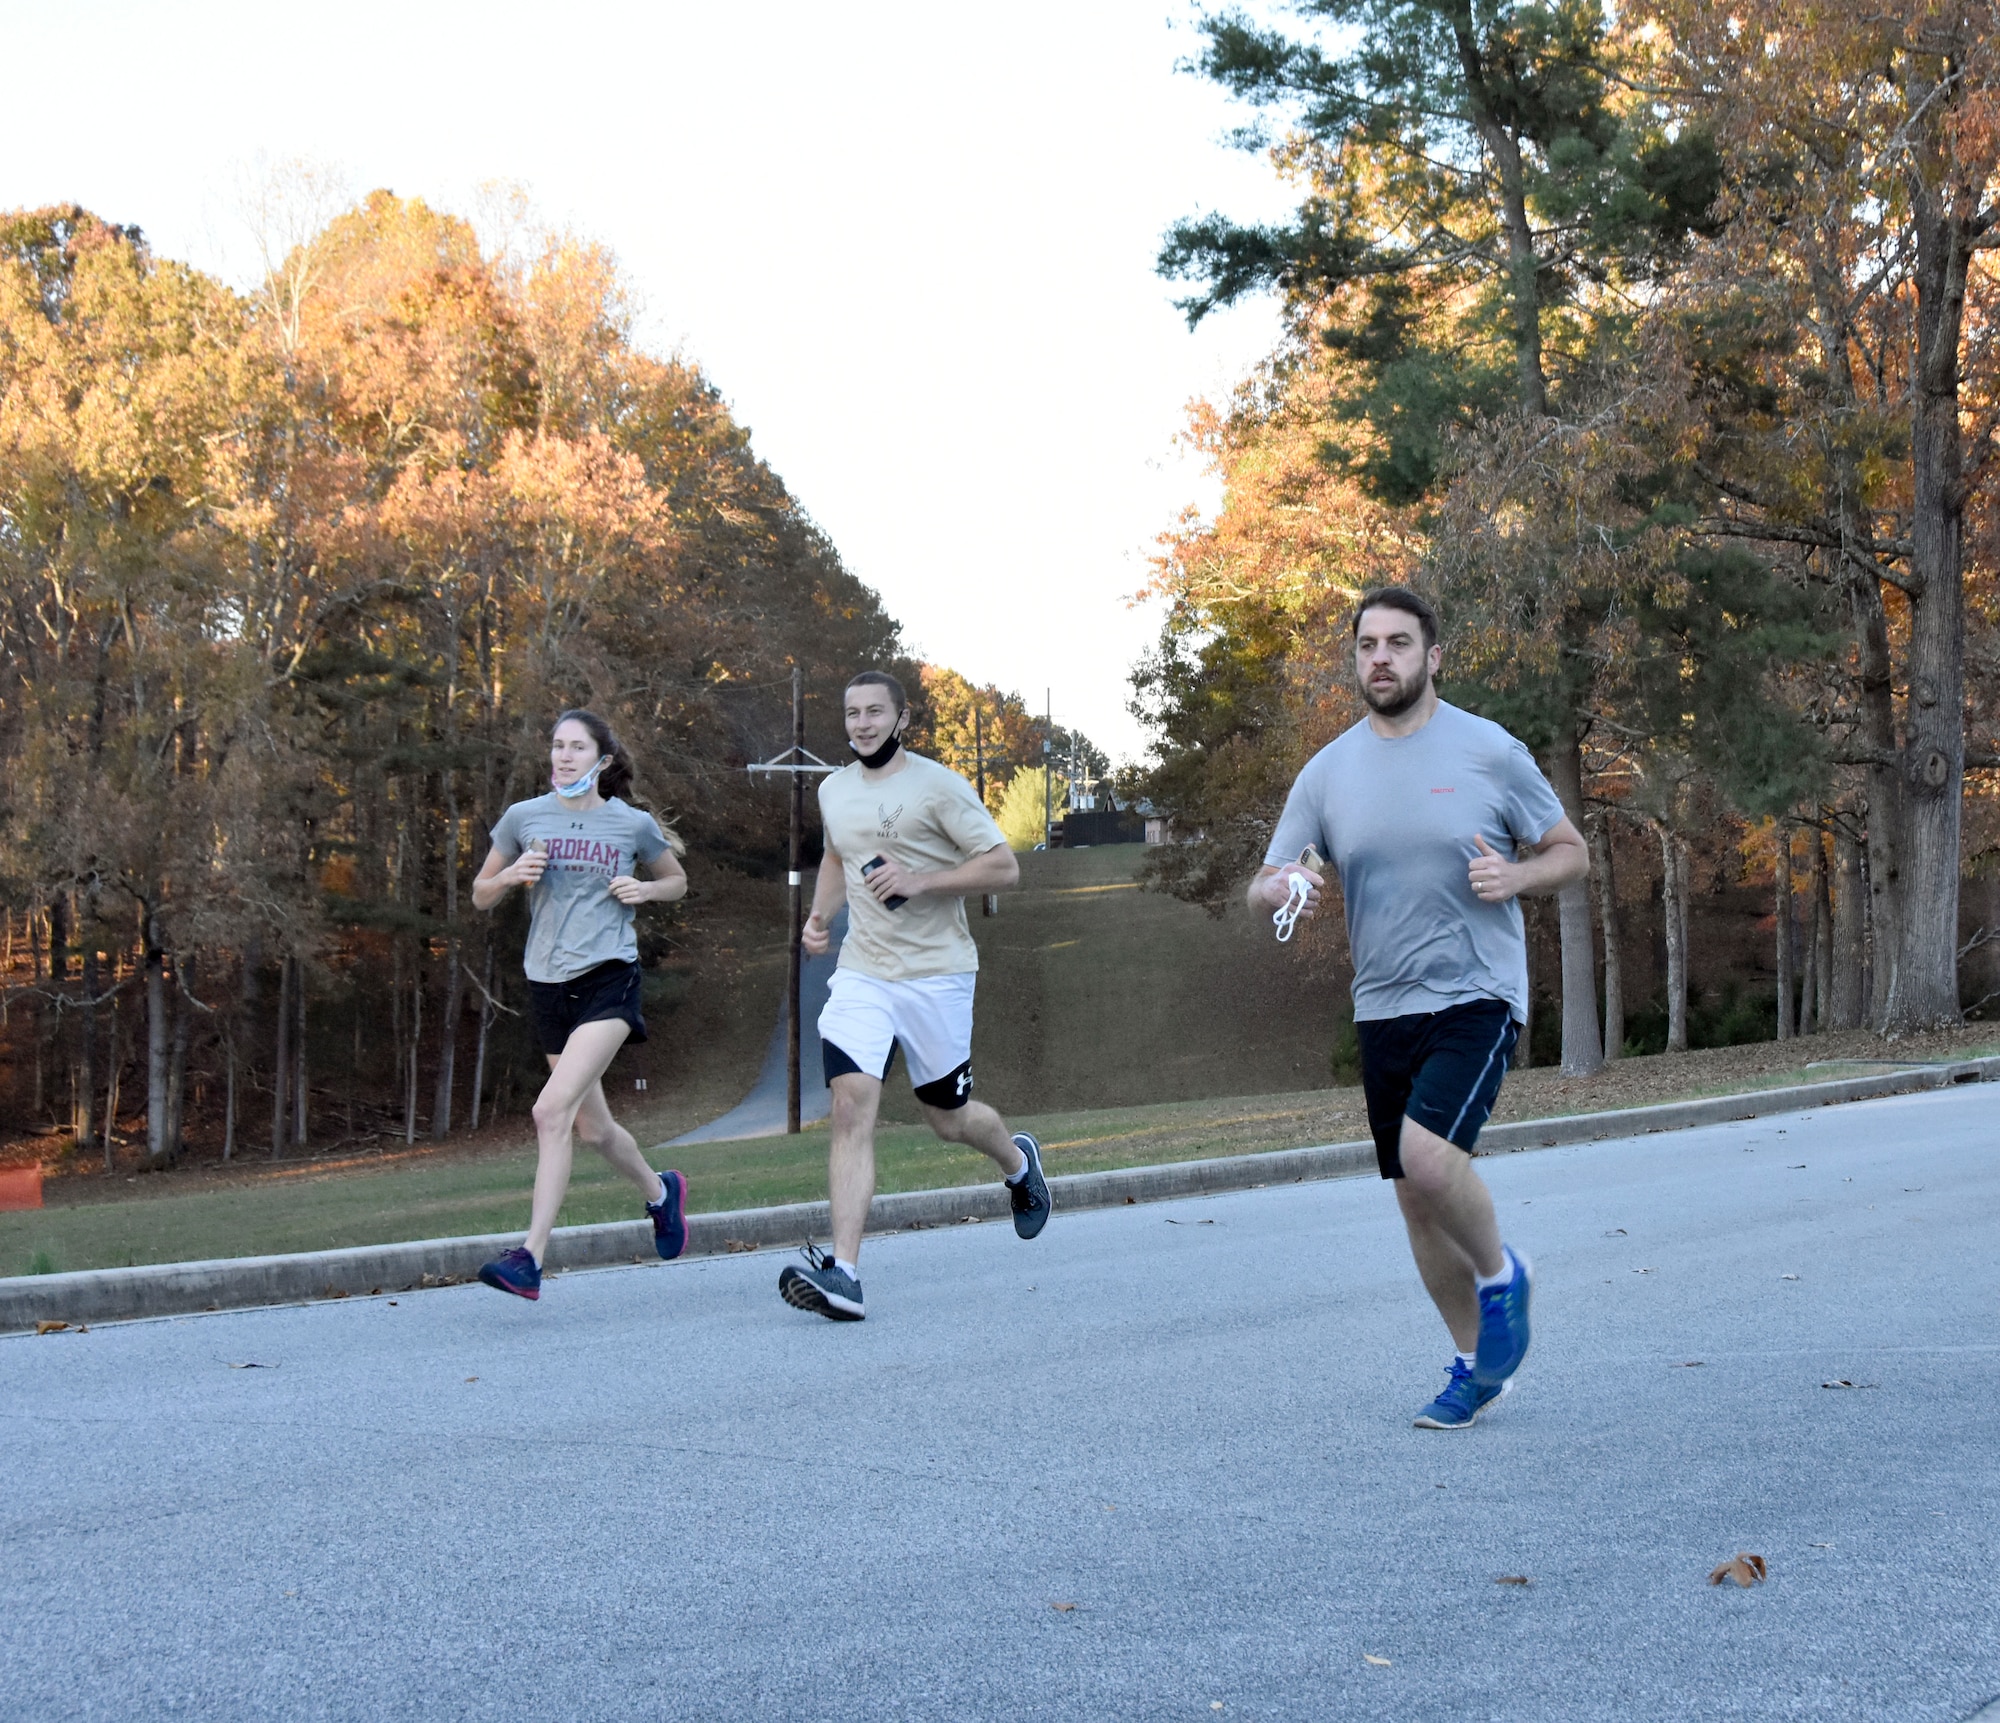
1097	819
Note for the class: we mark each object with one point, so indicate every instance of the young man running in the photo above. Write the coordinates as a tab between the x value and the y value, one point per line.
1437	821
906	842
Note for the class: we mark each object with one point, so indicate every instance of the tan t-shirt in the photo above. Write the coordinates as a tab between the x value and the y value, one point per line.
927	817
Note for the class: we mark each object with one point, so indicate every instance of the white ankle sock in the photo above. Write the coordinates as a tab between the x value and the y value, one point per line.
1016	1178
1484	1282
850	1269
1468	1359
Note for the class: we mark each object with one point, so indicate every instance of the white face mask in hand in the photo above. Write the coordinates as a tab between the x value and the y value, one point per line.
1298	888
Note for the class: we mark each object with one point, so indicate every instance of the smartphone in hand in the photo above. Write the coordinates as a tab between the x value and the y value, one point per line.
894	901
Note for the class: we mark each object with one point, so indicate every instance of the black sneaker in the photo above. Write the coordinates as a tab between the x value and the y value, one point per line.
822	1288
1031	1196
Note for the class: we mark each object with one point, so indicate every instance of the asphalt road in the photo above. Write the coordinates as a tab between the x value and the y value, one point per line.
662	1493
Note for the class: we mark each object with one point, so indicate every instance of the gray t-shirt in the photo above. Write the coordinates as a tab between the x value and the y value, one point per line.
1396	816
574	922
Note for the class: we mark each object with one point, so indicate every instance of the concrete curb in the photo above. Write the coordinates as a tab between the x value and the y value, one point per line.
182	1288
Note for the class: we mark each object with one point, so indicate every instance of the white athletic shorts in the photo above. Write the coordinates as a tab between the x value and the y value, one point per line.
866	1019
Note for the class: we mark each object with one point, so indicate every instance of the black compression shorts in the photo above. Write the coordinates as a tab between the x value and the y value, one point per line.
1440	1068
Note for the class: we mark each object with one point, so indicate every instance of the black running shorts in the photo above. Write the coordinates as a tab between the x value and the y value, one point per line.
608	993
1440	1068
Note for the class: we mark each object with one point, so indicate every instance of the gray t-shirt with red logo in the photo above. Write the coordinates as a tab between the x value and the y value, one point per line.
1396	817
574	922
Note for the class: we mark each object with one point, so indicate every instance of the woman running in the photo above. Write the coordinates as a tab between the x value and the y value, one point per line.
576	849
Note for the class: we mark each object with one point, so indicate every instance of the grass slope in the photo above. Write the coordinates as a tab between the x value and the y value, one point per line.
1123	1028
1096	993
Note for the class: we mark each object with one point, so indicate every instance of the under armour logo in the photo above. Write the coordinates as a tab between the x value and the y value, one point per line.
965	1082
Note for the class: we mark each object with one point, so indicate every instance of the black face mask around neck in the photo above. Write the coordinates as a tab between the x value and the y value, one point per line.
882	755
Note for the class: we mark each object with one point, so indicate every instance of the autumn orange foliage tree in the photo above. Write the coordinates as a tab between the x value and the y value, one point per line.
291	585
1719	541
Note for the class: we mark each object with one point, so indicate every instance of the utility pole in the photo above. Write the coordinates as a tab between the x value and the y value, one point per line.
798	765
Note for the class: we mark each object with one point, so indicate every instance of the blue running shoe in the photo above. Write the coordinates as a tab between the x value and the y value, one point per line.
1461	1402
1503	1325
822	1288
1031	1196
669	1216
514	1272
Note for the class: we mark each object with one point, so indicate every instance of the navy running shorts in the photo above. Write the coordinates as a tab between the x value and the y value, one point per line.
608	993
1440	1068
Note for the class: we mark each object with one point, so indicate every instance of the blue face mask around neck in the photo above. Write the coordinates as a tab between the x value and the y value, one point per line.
582	787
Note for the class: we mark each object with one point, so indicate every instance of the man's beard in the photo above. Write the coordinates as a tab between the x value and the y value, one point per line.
1406	695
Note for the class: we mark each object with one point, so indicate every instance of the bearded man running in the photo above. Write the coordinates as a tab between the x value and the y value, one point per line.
1437	821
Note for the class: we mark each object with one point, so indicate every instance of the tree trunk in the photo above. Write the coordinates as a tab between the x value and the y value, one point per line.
229	1092
1822	913
1846	1001
111	1088
177	1057
1582	1041
159	1038
1673	885
281	1060
299	1051
1810	977
1884	807
485	1030
1920	990
416	1042
1614	961
1787	956
85	1111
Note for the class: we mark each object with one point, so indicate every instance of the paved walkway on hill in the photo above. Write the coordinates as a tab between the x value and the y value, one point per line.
662	1494
761	1113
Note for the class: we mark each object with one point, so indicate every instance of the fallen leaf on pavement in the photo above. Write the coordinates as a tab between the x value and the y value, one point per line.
1616	1232
1172	1222
1379	1662
1064	1608
1689	1364
472	1378
1645	1271
1788	1277
1745	1570
1801	1167
50	1327
1513	1579
253	1365
1842	1382
737	1246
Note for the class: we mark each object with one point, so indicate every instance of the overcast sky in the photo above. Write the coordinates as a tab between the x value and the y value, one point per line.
912	245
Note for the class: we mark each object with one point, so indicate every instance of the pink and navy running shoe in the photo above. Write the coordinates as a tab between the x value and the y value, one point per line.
669	1216
516	1271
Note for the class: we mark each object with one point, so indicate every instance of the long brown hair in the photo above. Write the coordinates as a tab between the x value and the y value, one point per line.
616	777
